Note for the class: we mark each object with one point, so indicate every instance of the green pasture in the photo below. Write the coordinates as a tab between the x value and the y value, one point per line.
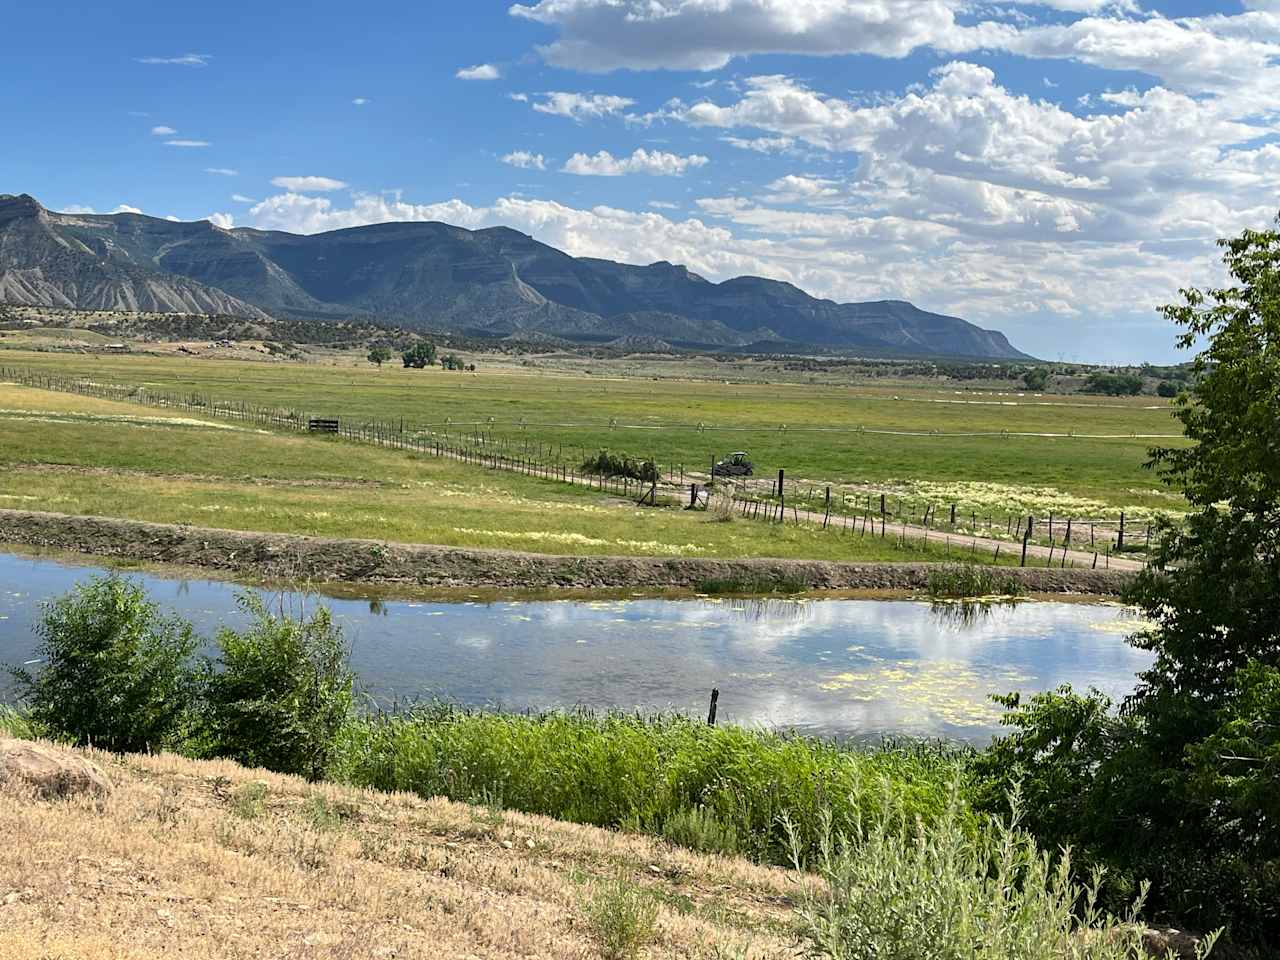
121	460
819	434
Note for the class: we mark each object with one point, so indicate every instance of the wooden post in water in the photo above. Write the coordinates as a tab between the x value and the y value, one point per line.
711	712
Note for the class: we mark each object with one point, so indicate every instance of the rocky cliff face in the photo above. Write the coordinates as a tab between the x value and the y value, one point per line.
435	276
61	260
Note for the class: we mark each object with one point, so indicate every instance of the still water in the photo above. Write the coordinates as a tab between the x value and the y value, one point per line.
859	668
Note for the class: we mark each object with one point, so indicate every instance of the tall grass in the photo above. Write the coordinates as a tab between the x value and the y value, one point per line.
899	889
647	774
622	917
752	584
959	580
17	723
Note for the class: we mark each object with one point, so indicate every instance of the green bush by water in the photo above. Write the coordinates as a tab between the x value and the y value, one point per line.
114	672
117	674
279	691
959	580
644	773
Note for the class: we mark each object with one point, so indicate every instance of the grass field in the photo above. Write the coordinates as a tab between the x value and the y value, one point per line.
815	432
80	455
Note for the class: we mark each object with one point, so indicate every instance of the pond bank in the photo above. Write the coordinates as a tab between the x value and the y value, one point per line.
288	557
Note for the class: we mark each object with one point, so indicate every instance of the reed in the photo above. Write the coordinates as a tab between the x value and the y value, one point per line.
656	774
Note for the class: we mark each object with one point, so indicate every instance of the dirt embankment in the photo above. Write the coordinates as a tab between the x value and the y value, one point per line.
271	556
205	860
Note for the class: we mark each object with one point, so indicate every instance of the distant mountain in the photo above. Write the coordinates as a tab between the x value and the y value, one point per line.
432	276
59	260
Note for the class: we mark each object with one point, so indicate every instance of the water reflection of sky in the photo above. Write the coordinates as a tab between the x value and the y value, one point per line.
857	667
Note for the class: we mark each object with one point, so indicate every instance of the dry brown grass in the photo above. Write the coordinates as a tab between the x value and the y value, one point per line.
173	866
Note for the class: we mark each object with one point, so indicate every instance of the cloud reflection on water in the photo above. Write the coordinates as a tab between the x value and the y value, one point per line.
837	666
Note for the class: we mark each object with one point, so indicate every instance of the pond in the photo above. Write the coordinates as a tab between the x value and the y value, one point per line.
854	668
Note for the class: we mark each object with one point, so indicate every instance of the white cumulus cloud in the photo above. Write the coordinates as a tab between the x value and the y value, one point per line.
481	71
653	162
163	131
222	171
525	160
582	106
604	35
761	144
187	143
308	184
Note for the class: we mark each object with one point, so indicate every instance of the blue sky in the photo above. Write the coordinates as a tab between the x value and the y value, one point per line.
1055	170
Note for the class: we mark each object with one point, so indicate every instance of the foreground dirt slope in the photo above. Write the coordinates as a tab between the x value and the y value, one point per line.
206	859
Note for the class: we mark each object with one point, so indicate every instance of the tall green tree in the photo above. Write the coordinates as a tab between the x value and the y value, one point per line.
421	354
1208	704
1180	784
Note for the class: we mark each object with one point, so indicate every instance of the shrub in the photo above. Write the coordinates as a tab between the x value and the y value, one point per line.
1166	389
115	673
958	580
1036	378
1179	784
896	889
699	829
623	919
606	464
1114	384
279	692
250	801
